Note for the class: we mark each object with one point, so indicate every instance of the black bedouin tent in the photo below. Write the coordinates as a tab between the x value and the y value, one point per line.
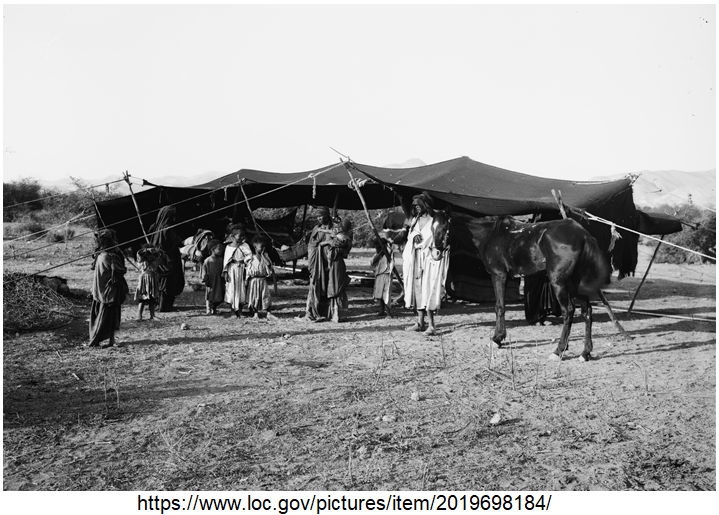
470	187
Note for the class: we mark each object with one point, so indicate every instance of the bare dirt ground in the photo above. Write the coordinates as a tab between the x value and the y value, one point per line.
363	405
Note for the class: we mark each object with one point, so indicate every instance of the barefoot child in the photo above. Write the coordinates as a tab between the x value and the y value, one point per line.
259	269
383	276
237	256
147	292
212	277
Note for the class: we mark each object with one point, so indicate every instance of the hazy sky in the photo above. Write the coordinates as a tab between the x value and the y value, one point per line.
569	91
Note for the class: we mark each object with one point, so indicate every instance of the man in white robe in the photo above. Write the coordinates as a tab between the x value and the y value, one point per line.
423	276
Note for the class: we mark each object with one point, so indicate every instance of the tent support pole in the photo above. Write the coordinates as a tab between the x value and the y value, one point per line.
97	210
242	188
371	224
302	235
636	292
558	197
137	209
337	200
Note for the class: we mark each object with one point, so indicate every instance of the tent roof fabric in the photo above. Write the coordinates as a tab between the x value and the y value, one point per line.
463	182
488	190
657	223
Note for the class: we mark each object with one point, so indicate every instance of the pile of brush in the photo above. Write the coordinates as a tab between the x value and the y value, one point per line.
28	304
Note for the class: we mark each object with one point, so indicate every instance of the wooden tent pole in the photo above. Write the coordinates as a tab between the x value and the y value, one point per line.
242	181
137	209
631	305
337	200
371	224
97	210
558	197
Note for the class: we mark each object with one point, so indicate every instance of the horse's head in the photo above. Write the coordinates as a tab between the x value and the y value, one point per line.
441	228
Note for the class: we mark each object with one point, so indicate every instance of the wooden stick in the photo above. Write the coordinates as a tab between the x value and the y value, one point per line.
242	181
560	203
129	184
98	214
631	305
371	224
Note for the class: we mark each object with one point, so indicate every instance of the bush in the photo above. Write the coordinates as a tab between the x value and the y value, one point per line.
26	193
698	234
63	205
29	226
58	235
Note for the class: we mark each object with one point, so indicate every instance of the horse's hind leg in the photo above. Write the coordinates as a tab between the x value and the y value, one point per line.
565	302
500	331
587	313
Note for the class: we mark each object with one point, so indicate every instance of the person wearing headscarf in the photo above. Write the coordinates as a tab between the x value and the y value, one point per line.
336	250
318	306
172	272
423	276
109	289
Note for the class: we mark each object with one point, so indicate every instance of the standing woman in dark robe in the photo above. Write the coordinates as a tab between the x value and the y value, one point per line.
172	273
317	307
337	249
109	289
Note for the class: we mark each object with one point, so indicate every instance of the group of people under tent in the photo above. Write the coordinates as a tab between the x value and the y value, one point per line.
237	272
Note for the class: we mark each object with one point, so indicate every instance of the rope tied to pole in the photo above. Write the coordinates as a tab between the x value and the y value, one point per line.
599	219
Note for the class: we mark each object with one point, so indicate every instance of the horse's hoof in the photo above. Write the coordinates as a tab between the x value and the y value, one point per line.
584	358
554	357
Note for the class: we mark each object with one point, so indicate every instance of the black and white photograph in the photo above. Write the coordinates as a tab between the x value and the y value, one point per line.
301	258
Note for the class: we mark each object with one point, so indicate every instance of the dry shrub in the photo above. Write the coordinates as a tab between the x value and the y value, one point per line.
28	305
58	235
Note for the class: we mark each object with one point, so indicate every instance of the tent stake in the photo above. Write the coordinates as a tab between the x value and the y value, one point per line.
137	209
636	292
371	224
558	197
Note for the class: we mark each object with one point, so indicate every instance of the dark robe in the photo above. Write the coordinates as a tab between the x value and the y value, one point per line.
337	280
172	273
109	290
539	299
318	266
213	280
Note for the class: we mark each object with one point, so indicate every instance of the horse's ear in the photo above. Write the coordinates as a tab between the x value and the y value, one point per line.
448	210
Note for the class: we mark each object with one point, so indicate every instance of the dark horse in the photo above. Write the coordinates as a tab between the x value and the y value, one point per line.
563	249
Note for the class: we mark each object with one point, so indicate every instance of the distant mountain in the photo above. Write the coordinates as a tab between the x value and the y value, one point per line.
653	188
66	184
410	163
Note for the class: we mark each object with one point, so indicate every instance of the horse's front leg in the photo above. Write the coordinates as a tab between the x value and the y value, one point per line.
587	313
499	282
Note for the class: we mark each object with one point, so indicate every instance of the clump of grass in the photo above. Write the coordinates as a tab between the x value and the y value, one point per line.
29	305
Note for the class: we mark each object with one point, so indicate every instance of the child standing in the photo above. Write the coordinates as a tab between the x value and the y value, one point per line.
212	277
147	292
383	276
259	269
237	256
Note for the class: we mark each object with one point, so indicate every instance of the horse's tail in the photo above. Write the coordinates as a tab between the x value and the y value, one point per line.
595	268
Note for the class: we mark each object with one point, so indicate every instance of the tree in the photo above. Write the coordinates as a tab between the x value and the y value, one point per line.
20	197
